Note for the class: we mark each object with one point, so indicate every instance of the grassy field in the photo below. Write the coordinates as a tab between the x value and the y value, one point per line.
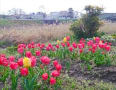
27	31
109	27
37	33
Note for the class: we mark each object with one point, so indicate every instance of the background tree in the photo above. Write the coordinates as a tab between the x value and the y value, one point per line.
16	11
89	23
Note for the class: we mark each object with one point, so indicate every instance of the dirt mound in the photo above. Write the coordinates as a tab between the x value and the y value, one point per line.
107	74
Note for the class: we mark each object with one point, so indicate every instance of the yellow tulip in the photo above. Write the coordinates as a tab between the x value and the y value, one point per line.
65	40
26	62
58	42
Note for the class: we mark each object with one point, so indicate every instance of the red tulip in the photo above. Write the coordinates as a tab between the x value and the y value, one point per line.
101	45
20	50
63	44
29	46
97	39
21	46
70	49
107	48
42	46
80	46
45	76
38	53
2	55
53	49
68	44
93	50
33	61
52	81
11	58
83	45
68	38
58	67
55	73
20	61
55	63
32	46
90	49
24	71
80	50
38	44
74	45
13	65
28	54
90	42
45	60
47	48
94	46
32	43
5	63
57	46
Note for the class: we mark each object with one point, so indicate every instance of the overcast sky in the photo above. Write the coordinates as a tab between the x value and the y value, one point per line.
55	5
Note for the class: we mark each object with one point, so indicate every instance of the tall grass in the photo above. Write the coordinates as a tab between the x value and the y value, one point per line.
36	33
109	27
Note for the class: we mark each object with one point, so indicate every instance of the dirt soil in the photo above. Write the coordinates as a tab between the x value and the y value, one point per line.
107	74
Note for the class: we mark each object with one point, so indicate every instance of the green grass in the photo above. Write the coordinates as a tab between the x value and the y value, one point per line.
70	83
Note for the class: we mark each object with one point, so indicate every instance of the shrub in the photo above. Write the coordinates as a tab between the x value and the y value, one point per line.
88	25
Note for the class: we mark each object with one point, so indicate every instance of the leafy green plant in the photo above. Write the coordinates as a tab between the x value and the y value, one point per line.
88	25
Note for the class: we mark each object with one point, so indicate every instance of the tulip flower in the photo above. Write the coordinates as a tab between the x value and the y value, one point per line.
42	46
57	46
55	73
28	54
63	44
94	46
68	38
68	44
97	39
2	55
20	50
26	62
107	48
58	67
80	46
29	46
5	63
45	60
38	53
33	61
20	61
52	81
93	50
55	63
64	40
70	49
24	71
74	45
11	58
47	48
45	76
58	42
13	65
80	50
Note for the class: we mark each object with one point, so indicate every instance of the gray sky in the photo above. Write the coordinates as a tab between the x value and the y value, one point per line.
55	5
